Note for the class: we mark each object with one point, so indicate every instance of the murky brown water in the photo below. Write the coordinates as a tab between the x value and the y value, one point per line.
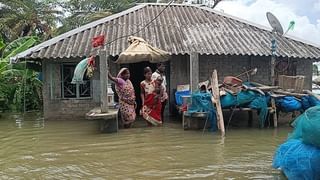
32	148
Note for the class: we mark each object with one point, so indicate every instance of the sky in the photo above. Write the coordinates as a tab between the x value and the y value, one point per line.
305	13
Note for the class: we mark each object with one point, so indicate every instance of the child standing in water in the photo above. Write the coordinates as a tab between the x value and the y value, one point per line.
150	96
158	90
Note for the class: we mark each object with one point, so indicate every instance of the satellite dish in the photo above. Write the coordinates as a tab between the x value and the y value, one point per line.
274	23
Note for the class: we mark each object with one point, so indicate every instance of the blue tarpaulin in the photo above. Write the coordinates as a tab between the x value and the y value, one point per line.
201	102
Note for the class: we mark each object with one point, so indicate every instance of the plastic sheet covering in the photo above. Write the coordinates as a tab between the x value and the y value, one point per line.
245	97
201	102
79	72
260	103
297	160
249	99
228	100
307	127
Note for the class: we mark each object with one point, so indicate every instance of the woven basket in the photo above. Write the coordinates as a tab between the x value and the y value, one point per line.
295	83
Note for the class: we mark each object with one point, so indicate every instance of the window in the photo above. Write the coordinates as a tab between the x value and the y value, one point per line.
69	90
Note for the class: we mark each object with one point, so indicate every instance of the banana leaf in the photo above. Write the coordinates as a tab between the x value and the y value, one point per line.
18	46
2	44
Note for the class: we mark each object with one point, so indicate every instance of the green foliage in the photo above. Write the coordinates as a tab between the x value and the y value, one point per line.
2	44
19	86
28	93
19	45
28	17
84	11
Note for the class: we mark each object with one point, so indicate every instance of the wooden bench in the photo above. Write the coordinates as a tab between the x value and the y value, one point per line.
250	115
108	121
197	120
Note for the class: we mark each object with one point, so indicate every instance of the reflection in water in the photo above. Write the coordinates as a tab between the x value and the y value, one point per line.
76	150
36	121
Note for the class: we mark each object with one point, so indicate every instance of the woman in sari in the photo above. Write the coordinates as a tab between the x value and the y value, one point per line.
151	99
126	95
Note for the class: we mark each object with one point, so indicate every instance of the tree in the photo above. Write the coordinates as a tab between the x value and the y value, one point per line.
84	11
20	89
28	17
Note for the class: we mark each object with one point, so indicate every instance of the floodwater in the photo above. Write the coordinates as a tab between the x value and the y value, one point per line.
32	148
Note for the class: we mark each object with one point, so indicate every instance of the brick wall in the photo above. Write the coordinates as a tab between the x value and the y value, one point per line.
54	107
179	74
233	66
304	68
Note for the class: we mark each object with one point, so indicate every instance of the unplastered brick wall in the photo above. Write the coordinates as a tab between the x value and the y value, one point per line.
263	65
179	75
304	68
233	66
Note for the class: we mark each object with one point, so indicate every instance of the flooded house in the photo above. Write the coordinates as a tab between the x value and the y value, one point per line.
199	40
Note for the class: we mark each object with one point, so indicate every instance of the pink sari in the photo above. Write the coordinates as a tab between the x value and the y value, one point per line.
151	109
127	99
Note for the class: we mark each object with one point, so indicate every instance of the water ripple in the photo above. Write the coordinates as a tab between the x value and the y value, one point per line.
32	148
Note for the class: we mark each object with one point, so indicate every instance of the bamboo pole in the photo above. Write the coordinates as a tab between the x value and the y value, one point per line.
298	95
216	97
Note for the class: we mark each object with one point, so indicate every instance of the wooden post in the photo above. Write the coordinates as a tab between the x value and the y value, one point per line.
103	81
216	96
194	71
273	77
274	108
51	80
273	58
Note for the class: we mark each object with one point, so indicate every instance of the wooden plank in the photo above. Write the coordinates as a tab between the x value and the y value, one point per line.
243	109
216	97
96	114
267	88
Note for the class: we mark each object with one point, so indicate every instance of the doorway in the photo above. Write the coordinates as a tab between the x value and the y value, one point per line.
136	76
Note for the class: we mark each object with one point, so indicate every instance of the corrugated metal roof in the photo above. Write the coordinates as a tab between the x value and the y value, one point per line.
179	29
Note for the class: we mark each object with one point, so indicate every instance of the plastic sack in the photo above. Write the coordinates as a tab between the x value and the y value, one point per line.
245	97
228	100
309	101
307	127
178	96
289	104
298	160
